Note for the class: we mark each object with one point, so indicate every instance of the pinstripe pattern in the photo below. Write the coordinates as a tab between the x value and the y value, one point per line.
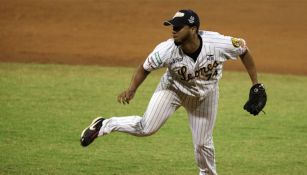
162	104
202	114
193	85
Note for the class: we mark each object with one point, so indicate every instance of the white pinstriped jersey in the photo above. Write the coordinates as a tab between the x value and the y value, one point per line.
194	78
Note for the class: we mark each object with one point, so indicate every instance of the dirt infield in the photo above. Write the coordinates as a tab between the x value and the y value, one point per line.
122	33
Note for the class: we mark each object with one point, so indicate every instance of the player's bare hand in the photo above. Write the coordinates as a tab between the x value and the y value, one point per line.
125	96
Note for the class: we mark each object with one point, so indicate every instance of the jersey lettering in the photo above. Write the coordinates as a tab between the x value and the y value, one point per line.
191	77
209	71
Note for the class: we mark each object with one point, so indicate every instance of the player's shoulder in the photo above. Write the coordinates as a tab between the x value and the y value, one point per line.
166	45
213	37
165	49
217	37
208	33
224	43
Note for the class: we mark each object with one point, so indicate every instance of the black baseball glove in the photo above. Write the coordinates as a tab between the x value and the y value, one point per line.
257	99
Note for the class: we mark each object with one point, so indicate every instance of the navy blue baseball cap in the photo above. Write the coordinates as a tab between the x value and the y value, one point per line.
184	17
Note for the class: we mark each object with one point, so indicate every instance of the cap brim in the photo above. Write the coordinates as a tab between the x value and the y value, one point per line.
167	23
173	22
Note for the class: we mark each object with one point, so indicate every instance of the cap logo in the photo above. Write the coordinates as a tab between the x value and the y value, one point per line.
178	14
191	20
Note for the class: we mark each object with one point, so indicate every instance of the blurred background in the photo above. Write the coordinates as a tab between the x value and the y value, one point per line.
123	33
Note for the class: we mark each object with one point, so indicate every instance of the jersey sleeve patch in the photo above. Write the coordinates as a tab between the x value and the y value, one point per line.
153	62
238	42
157	58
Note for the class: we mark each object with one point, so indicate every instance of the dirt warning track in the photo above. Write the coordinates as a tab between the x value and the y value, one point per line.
123	33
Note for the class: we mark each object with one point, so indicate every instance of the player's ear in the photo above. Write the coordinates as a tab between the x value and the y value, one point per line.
194	29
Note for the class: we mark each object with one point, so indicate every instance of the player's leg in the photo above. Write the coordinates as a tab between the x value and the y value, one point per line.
162	104
202	115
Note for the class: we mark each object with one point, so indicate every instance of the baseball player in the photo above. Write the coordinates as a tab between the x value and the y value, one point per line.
194	61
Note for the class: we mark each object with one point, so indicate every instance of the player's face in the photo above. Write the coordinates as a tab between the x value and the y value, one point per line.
181	34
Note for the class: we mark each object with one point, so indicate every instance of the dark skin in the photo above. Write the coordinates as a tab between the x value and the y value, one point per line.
137	79
187	37
250	67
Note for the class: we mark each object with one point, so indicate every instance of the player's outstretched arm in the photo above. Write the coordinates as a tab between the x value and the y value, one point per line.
137	79
249	64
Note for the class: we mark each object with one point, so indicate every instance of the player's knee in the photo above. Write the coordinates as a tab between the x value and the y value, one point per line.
206	145
201	151
202	147
146	133
143	131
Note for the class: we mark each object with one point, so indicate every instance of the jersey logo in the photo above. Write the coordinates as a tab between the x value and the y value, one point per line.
191	20
176	60
210	57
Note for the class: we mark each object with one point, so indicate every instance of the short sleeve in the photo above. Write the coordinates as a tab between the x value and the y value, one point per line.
229	47
158	57
235	47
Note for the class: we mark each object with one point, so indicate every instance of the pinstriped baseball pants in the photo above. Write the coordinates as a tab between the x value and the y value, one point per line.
201	112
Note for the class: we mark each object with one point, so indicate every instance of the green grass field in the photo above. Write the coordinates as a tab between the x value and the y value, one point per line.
44	108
